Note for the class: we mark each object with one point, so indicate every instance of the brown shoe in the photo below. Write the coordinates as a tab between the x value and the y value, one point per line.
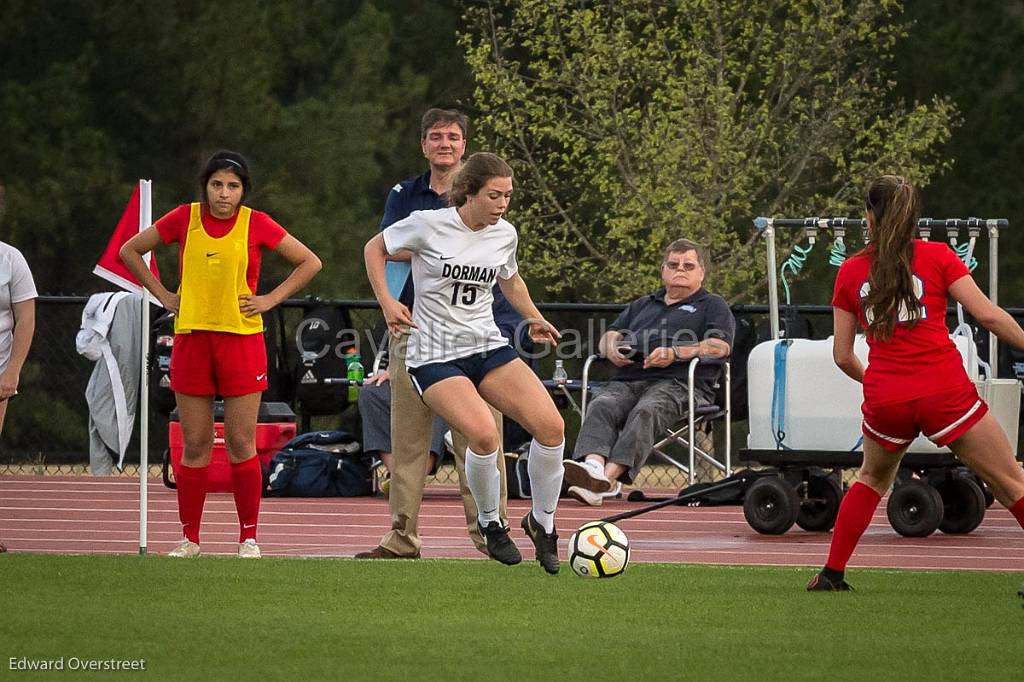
384	553
580	475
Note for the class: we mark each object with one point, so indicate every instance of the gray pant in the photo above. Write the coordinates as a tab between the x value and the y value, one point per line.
626	418
375	413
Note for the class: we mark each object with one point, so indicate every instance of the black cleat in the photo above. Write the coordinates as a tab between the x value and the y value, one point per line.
823	583
499	545
1020	593
546	544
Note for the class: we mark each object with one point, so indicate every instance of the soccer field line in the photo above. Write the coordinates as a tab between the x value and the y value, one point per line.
270	537
723	559
818	555
171	517
1001	527
39	482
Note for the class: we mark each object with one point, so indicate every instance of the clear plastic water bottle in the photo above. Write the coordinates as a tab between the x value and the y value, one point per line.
354	374
559	377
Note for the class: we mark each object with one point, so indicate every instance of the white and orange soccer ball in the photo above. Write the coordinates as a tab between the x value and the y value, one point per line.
598	549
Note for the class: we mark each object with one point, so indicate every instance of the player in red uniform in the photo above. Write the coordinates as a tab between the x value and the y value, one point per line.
218	344
897	289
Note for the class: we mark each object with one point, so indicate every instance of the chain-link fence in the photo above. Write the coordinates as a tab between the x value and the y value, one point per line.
47	427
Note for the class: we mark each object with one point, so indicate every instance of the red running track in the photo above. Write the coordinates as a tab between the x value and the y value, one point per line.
86	515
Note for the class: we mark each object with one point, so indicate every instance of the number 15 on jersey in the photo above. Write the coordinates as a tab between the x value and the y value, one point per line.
463	293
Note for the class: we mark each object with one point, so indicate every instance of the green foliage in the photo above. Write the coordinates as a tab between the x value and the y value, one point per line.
970	52
324	98
634	123
323	156
44	419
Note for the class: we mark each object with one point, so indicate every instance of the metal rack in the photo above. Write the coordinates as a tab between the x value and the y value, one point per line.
839	225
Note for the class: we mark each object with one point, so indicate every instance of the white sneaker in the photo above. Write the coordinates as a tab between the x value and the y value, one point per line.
249	549
186	548
585	496
582	475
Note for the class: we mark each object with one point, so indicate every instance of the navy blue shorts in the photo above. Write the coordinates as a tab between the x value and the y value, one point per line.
474	367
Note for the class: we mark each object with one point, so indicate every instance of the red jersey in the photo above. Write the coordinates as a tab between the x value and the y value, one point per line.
264	232
919	360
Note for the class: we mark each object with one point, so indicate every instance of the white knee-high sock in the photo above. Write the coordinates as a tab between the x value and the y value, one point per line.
484	482
546	470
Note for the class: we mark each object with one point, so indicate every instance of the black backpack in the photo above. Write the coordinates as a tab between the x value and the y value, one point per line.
323	336
279	371
161	398
742	344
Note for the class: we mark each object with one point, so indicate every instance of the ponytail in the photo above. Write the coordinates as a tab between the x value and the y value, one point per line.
895	208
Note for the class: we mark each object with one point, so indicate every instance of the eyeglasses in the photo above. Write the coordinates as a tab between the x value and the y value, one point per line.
685	267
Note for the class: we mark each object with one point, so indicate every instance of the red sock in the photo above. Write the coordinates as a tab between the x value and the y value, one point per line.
1018	511
247	479
191	482
855	514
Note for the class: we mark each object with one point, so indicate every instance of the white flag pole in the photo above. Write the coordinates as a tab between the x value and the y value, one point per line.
145	220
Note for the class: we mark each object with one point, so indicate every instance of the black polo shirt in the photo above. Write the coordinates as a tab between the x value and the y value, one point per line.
648	323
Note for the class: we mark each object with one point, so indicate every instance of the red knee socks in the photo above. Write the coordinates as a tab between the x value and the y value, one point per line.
1018	511
191	485
247	479
855	514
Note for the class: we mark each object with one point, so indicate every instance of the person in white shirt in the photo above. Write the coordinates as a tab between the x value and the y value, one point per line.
458	359
17	321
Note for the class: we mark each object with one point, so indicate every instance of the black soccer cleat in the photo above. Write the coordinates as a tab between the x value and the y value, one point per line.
1020	593
499	545
823	583
546	544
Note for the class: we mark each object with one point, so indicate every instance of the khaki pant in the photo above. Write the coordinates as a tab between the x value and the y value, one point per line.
410	445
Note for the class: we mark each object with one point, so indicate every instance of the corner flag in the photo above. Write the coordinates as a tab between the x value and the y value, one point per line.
110	267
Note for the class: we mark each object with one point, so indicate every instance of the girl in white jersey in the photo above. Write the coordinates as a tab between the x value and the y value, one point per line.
458	359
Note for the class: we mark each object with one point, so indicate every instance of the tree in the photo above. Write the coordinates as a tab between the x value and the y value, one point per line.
323	96
634	122
970	52
103	92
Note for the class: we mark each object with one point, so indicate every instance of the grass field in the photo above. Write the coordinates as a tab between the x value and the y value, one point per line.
312	619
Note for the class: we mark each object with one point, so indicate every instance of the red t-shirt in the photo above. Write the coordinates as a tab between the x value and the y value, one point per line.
919	360
264	232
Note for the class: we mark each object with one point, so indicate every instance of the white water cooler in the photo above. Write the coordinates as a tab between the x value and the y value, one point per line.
822	405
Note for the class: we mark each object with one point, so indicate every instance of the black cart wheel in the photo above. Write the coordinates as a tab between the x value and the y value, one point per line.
915	509
771	506
819	503
963	505
989	497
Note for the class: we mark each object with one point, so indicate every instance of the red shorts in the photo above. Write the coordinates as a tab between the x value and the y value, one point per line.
218	363
942	418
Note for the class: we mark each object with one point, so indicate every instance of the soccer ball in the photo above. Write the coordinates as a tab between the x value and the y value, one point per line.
598	550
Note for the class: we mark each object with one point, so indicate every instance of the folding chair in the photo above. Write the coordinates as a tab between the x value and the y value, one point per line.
696	416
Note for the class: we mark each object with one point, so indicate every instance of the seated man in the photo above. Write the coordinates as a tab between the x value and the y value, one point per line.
375	414
651	344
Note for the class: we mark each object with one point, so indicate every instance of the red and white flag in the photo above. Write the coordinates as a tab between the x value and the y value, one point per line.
110	266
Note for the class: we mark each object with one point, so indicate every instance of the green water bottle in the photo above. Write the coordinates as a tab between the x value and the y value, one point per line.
354	375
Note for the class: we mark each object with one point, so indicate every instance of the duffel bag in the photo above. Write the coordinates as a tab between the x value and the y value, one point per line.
325	464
